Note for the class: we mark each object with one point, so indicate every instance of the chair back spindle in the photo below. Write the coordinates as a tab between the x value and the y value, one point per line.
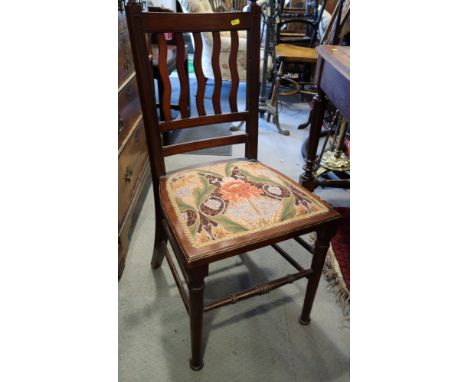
141	24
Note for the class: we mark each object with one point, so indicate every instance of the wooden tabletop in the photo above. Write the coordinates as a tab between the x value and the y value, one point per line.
337	56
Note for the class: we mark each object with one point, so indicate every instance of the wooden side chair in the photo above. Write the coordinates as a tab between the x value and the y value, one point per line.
294	52
221	209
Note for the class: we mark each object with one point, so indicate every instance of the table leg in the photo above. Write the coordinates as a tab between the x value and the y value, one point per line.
307	178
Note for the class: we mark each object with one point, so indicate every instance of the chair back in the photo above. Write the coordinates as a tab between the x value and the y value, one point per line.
141	24
304	20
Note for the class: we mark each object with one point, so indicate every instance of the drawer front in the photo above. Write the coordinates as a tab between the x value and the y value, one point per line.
129	109
122	20
125	57
131	163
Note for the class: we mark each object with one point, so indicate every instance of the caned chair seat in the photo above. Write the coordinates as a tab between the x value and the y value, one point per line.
295	53
229	204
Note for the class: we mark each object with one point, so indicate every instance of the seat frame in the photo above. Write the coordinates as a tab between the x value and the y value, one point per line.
140	24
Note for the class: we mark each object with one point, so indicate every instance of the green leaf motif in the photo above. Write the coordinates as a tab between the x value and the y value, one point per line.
183	206
197	195
228	168
289	211
201	194
210	173
229	224
194	227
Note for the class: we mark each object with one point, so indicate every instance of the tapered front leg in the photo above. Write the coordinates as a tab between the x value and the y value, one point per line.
318	261
196	286
160	239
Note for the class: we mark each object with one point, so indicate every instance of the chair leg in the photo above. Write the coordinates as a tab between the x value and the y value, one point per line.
318	261
196	286
274	102
160	240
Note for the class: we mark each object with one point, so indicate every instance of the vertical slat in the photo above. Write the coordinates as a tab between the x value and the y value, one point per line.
216	98
201	79
162	65
180	62
253	67
233	69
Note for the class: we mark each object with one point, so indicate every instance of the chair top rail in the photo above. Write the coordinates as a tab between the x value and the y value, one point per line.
195	22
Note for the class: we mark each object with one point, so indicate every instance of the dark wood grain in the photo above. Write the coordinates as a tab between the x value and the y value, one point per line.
183	76
129	123
129	110
216	97
253	82
202	121
204	144
201	79
332	77
166	83
195	22
194	262
125	60
233	69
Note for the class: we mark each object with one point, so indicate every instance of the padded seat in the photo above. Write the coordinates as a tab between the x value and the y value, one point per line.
214	208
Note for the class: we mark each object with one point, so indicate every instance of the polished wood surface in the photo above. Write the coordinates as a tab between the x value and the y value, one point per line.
338	57
125	61
129	109
194	264
332	77
133	163
216	96
233	69
201	79
295	53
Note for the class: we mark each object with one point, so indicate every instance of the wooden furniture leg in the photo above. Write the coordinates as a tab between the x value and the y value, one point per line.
160	239
305	124
196	287
307	178
318	261
274	100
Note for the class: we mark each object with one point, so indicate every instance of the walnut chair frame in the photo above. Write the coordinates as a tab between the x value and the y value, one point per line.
195	268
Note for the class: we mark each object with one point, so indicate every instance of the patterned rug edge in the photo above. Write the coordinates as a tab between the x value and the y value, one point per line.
336	284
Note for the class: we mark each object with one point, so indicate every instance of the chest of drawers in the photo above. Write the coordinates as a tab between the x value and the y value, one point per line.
134	172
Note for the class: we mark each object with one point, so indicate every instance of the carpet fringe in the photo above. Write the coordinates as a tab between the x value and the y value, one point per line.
334	277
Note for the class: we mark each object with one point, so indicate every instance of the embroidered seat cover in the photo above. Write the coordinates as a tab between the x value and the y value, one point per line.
228	200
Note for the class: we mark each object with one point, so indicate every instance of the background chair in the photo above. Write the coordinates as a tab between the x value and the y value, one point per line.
221	209
287	54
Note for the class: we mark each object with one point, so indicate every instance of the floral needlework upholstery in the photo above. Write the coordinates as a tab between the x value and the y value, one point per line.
231	199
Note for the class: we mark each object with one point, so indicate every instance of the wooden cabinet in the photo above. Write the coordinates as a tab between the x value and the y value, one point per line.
134	172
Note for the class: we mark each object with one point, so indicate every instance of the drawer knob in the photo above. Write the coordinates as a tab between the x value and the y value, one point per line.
126	64
128	175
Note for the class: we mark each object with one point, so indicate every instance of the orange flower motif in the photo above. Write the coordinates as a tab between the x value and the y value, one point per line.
237	189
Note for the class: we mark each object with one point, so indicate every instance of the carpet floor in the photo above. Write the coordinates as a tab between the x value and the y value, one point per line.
255	340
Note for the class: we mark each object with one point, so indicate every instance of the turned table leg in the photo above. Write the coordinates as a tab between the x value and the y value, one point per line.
307	178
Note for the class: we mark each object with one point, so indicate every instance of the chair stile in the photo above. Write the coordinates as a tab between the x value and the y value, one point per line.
192	260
